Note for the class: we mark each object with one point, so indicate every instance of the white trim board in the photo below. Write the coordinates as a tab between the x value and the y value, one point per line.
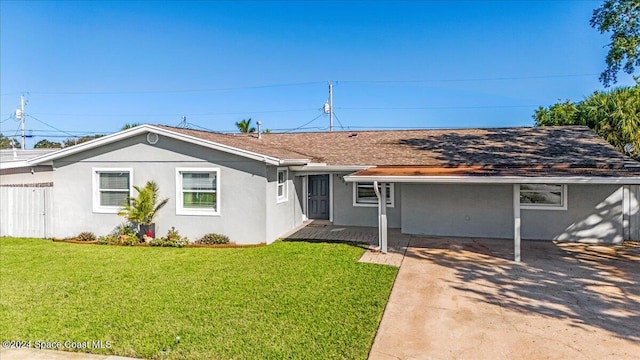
497	179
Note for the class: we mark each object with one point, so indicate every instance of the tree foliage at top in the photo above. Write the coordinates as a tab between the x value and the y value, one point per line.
75	141
244	126
614	115
46	144
5	142
621	19
129	126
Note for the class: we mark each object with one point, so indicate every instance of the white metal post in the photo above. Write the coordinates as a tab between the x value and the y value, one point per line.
382	200
516	222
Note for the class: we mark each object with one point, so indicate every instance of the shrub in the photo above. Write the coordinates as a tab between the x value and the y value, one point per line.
124	229
173	239
108	240
212	238
86	236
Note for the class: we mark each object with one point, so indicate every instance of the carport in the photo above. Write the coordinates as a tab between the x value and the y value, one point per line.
524	181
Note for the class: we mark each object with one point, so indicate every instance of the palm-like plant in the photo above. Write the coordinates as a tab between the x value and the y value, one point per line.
244	126
142	209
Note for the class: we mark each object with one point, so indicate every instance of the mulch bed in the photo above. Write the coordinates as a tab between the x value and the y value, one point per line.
191	245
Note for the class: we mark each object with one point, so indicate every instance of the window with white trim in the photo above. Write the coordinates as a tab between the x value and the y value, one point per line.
282	188
111	188
197	191
543	196
365	195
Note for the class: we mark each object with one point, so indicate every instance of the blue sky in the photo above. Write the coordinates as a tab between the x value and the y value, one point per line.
88	67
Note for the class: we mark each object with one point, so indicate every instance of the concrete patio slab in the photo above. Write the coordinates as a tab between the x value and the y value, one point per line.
466	299
325	231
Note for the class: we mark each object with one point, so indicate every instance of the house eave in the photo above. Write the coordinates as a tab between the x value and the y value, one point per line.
631	180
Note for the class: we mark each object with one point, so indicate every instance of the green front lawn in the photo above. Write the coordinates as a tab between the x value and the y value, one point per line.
287	300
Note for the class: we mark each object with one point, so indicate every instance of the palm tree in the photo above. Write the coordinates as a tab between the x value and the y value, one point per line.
142	209
245	126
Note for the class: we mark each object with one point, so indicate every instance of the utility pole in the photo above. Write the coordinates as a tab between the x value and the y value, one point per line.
330	106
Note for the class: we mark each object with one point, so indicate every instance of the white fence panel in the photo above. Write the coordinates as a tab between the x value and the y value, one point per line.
26	211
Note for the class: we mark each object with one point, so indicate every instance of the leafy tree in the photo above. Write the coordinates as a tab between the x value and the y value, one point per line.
129	126
245	126
5	142
565	113
621	18
46	144
614	115
75	141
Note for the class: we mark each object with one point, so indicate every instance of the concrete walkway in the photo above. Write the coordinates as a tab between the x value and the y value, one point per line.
323	231
465	299
35	354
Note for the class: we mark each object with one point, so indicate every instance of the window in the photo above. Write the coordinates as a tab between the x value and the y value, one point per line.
283	194
111	188
543	196
197	191
365	195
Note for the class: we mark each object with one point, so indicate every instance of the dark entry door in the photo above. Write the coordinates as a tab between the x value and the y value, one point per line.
318	208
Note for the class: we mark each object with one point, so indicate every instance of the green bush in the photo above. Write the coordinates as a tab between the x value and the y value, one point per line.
86	236
173	239
124	229
212	238
113	239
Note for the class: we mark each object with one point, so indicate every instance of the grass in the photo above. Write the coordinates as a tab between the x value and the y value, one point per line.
286	300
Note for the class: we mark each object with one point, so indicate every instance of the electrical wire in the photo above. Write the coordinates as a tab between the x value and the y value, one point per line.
185	114
171	91
511	78
305	124
339	123
438	107
51	126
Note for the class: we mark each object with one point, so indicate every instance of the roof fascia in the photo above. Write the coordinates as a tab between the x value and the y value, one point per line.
631	180
317	167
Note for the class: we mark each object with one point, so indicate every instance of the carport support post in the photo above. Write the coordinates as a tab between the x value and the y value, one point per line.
381	194
516	222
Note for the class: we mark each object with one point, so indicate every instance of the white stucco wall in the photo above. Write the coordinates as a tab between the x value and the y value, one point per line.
594	213
282	216
242	193
344	213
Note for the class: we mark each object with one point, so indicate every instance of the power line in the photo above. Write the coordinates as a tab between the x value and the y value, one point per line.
534	77
186	114
339	123
169	91
305	124
265	86
438	107
51	126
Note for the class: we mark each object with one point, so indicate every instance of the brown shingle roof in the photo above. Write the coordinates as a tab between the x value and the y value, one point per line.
575	146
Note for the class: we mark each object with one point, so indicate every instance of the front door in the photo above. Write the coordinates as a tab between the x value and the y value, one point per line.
318	197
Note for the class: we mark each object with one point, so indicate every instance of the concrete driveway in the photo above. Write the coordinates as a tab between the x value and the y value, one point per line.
465	299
